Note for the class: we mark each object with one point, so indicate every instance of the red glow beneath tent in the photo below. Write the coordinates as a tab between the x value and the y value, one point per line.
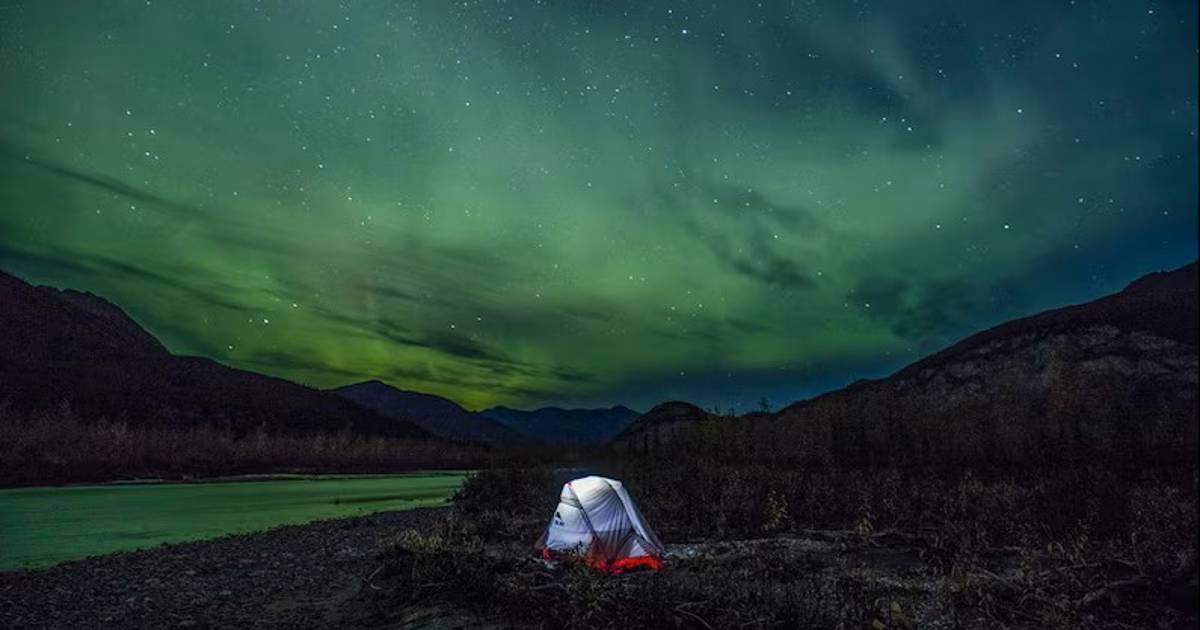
631	564
616	567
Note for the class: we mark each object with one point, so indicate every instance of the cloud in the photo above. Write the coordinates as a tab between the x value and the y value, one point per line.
191	282
99	181
742	228
932	312
748	326
471	357
278	361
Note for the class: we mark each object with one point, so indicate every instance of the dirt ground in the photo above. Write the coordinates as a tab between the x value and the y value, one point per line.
325	574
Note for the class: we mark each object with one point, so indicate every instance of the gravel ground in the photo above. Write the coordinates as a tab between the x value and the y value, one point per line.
294	576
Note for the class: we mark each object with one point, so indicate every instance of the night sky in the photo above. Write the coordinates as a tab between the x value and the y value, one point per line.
589	203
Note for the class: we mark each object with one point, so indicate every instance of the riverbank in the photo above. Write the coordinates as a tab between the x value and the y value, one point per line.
292	576
272	476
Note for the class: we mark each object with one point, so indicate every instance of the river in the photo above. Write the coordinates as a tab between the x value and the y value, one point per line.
48	525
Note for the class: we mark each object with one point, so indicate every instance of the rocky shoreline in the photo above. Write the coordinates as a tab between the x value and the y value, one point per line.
290	576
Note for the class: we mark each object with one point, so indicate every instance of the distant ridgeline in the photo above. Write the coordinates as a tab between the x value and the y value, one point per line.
568	427
498	426
74	355
1115	377
72	352
437	415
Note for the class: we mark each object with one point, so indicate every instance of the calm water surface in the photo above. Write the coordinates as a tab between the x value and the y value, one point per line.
45	526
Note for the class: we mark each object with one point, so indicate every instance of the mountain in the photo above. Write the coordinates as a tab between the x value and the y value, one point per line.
1116	375
498	425
434	414
571	427
657	426
73	348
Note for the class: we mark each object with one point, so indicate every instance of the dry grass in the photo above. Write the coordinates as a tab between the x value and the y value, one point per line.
1071	547
1096	548
457	565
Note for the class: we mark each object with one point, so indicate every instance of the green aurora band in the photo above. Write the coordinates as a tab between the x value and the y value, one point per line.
593	202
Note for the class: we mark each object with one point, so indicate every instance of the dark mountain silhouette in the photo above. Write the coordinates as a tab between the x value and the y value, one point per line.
1118	374
1161	304
437	415
1114	377
1147	329
573	427
69	348
657	426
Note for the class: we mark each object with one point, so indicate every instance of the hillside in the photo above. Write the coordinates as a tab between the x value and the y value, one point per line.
572	427
1116	375
78	350
437	415
657	426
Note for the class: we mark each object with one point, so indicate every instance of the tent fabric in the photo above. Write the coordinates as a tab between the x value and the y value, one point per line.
598	520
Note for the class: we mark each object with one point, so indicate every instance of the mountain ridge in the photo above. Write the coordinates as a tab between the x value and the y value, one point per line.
1170	320
563	426
659	424
437	415
66	347
1084	370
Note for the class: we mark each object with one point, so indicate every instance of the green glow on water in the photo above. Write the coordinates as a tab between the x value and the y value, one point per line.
44	526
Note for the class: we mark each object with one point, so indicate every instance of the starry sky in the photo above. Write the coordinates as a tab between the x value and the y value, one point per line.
589	203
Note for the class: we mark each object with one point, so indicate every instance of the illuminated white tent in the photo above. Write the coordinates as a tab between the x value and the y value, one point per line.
597	520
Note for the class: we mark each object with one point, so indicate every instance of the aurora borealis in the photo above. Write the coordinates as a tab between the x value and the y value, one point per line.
594	203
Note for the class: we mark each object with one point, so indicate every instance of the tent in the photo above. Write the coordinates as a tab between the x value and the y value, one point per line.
596	519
